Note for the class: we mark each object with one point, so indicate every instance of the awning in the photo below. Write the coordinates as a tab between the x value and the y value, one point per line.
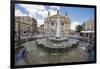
87	31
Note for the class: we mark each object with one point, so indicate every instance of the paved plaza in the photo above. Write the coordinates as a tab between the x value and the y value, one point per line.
36	55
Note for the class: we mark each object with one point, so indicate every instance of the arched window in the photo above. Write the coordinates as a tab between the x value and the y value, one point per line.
62	23
52	24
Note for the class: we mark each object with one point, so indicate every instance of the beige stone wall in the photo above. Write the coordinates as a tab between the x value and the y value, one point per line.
26	23
49	28
88	25
41	29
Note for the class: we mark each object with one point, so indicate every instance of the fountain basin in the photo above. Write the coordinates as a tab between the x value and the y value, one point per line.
57	39
57	44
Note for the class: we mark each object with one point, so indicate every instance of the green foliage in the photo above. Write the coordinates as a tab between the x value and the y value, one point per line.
78	28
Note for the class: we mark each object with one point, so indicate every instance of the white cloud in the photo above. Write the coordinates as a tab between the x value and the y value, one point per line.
18	13
54	7
43	13
36	11
53	12
40	21
74	24
33	10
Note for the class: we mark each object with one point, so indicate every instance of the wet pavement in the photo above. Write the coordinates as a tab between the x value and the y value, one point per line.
20	56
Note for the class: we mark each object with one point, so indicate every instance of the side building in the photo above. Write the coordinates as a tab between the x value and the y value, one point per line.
25	26
88	29
41	29
88	25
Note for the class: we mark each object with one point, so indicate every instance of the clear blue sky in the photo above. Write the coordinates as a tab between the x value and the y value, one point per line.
75	13
78	14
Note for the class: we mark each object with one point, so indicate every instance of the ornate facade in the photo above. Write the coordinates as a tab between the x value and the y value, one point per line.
50	25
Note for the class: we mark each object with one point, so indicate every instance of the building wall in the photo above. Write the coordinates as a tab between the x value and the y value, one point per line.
26	24
50	25
88	25
41	29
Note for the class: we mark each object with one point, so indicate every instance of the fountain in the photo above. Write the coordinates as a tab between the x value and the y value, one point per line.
58	31
57	42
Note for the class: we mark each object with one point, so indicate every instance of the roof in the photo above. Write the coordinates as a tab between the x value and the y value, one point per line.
55	17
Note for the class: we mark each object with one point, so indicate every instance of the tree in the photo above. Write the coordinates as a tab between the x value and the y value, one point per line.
78	29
